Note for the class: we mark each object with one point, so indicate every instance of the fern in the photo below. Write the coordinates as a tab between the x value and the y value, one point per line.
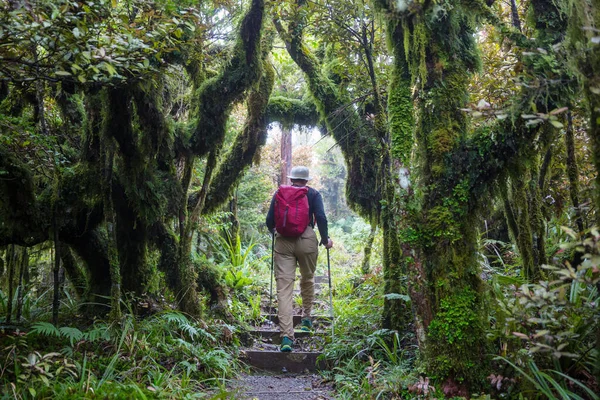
73	334
99	332
183	324
45	329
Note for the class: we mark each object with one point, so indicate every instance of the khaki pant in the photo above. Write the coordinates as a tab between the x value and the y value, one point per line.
289	250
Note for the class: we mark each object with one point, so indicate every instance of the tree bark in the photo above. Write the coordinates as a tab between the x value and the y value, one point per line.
11	261
366	262
55	274
573	172
286	154
24	266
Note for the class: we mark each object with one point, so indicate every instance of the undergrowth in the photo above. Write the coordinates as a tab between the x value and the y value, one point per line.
167	355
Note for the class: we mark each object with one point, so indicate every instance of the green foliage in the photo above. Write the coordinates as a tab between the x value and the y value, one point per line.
454	318
547	330
552	385
92	41
168	355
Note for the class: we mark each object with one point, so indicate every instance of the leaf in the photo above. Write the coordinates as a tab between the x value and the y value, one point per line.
521	335
559	110
110	69
556	124
397	296
45	328
569	231
62	73
541	333
483	104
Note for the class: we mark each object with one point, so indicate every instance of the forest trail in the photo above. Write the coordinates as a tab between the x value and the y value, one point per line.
278	375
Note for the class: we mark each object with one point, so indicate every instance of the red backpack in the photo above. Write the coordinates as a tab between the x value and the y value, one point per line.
291	210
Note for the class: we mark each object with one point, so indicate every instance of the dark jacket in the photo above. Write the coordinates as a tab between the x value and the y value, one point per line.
316	211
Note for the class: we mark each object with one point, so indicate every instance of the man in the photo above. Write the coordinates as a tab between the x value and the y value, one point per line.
302	250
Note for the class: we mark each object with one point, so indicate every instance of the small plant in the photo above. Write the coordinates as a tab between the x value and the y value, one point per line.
546	330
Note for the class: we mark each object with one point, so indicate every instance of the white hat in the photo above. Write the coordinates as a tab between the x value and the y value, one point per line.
299	173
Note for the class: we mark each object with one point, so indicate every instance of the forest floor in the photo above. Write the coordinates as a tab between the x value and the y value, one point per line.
278	386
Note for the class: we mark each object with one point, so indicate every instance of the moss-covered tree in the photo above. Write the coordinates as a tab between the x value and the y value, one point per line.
126	172
455	168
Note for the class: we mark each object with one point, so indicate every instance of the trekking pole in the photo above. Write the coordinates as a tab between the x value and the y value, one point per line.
330	296
271	290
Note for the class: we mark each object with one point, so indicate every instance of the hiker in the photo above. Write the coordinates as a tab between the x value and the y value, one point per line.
296	245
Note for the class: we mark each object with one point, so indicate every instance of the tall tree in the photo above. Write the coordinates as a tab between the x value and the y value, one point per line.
455	168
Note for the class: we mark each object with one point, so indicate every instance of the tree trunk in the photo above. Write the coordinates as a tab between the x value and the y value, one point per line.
286	154
11	261
366	262
24	266
573	172
55	274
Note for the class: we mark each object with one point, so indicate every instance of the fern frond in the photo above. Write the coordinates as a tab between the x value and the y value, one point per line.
73	334
45	329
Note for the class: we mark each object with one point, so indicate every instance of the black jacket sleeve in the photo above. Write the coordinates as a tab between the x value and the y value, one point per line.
317	210
271	216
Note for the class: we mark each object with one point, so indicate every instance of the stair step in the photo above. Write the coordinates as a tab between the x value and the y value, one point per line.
277	361
297	319
275	338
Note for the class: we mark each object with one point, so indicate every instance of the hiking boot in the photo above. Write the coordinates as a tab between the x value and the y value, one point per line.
306	325
286	344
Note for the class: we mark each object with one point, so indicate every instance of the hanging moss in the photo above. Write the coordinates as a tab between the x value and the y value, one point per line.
361	149
400	104
290	111
218	94
245	146
23	220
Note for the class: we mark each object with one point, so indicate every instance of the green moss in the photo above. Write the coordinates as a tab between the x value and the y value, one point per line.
453	334
218	94
245	146
289	111
400	111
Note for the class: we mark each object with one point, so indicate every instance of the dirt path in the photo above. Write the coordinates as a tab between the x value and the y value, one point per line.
282	387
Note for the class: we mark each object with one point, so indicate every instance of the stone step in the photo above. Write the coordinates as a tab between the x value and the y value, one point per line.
274	337
277	361
297	319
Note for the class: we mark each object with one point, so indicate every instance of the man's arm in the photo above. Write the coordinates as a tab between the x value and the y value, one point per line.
319	212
